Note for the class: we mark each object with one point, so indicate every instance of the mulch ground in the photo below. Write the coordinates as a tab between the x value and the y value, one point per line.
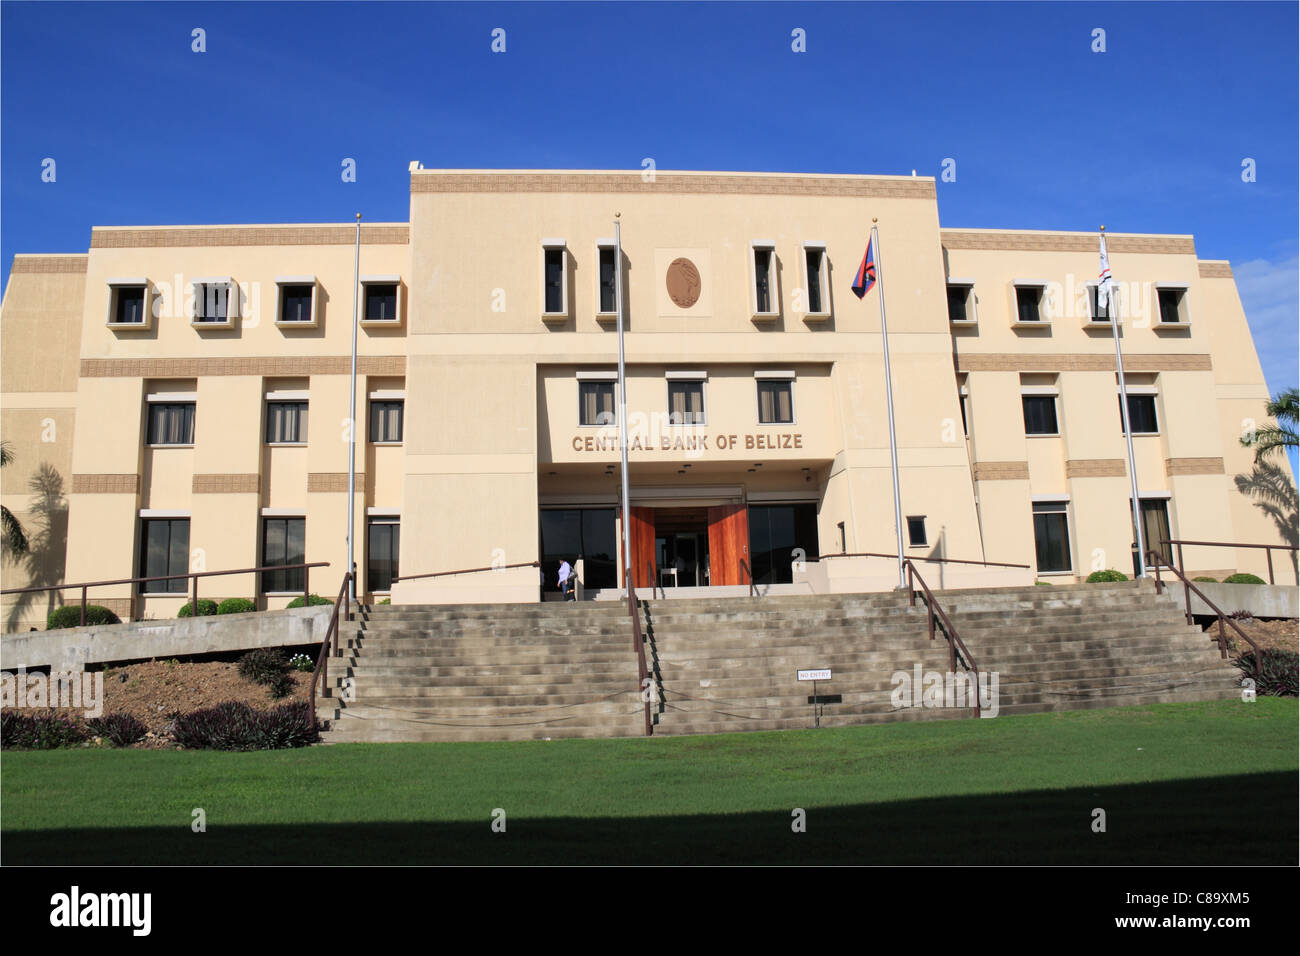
154	691
1278	634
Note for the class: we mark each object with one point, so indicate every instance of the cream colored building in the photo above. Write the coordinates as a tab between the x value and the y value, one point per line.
178	397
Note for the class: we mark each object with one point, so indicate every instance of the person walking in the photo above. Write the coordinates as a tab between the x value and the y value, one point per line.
566	580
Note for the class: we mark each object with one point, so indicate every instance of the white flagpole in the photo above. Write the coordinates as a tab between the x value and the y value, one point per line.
352	415
889	401
622	402
1123	407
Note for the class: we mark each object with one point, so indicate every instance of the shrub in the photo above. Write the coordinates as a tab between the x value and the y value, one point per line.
236	606
1043	584
302	662
122	729
1108	575
263	665
315	599
207	607
281	685
386	601
237	726
1207	580
70	616
1242	578
38	731
1277	671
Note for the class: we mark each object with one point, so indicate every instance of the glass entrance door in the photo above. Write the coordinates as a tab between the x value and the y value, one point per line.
680	557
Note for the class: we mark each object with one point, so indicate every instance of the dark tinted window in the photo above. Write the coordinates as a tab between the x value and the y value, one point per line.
1040	414
1027	299
775	531
129	307
283	542
762	279
554	280
1141	415
607	281
381	303
957	295
171	423
381	554
164	549
569	533
813	258
1051	536
295	303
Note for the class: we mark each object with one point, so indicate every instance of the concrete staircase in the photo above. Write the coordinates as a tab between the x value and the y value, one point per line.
510	672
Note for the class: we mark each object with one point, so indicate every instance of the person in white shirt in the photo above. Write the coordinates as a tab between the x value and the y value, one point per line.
566	580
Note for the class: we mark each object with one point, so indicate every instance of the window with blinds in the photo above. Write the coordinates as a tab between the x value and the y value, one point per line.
171	423
386	421
775	402
286	423
686	402
595	403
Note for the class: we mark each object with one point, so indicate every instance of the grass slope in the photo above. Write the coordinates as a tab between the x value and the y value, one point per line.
1180	783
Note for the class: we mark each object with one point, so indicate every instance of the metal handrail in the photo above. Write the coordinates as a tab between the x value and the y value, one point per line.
439	574
1268	550
950	632
1155	560
877	554
746	572
322	671
638	642
194	596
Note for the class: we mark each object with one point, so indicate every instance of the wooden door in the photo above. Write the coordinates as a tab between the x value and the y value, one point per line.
728	543
642	530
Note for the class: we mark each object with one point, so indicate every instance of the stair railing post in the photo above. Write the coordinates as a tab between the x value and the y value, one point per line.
1187	590
306	601
194	608
83	606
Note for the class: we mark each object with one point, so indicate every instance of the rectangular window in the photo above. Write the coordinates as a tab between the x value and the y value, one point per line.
381	553
608	281
211	303
381	302
386	421
1141	415
686	402
1028	300
171	423
1171	306
571	533
959	304
1052	535
164	549
916	531
286	423
553	280
128	305
775	402
595	403
775	533
1155	530
1097	312
763	298
814	265
283	543
1040	414
296	303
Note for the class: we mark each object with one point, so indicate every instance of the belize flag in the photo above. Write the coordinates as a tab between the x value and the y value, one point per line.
866	277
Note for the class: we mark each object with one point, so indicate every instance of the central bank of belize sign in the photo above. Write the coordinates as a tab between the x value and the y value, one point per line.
698	443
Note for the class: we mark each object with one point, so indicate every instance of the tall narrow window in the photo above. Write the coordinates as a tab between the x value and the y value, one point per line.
286	423
381	553
764	301
595	403
775	402
1155	530
608	279
814	264
1099	312
916	531
553	264
283	543
1052	536
164	549
171	423
386	420
959	304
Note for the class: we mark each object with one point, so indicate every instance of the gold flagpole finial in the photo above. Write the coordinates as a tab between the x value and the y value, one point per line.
1103	228
617	215
873	219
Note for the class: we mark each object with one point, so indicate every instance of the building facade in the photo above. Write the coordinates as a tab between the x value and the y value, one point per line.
177	398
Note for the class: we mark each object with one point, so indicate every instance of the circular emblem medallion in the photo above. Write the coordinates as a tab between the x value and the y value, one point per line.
683	283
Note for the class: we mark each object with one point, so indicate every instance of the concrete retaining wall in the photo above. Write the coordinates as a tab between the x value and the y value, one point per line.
73	648
1261	600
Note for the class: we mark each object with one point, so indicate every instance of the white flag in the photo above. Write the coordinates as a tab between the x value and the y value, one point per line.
1103	279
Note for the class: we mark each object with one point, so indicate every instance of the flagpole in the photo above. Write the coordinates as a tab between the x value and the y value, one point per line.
352	416
889	401
622	402
1123	408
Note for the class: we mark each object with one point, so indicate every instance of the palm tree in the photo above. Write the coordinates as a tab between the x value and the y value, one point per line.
11	530
1283	409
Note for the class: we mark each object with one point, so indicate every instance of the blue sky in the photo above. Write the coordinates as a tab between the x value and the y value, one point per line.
1146	137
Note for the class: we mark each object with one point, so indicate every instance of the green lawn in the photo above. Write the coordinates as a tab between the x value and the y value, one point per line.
1180	783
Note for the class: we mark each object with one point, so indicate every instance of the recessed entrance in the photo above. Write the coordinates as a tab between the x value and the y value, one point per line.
682	546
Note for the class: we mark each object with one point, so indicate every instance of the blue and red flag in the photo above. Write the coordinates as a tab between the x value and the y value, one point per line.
866	277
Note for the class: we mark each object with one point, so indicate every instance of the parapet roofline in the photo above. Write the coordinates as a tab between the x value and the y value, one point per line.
248	225
956	230
669	172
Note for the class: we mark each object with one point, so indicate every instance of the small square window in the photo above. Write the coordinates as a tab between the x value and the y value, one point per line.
1040	414
1029	301
1171	306
1141	415
171	423
386	421
916	531
286	423
127	305
212	303
775	402
686	402
297	304
381	302
595	403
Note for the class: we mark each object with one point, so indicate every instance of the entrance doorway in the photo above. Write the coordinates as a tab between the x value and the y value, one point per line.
682	547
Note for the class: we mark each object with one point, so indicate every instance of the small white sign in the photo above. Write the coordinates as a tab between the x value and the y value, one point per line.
819	674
